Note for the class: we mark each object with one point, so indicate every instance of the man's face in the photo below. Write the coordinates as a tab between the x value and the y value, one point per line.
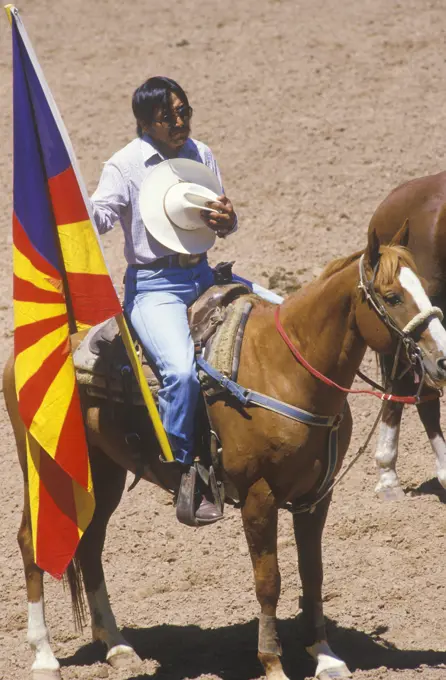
171	131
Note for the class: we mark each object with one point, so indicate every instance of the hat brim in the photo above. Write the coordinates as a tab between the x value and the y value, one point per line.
151	204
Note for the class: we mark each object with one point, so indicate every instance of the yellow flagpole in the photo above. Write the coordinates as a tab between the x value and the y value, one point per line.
8	10
146	393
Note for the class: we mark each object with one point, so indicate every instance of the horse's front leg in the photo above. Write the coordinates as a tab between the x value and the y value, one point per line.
45	665
259	515
109	481
386	455
429	413
308	530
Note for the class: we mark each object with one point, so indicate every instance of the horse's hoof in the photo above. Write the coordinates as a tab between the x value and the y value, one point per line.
46	674
334	673
122	656
390	493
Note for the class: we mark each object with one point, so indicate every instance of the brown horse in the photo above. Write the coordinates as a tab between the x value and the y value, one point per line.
271	459
422	202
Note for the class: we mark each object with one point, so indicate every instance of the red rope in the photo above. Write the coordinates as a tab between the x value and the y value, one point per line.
331	383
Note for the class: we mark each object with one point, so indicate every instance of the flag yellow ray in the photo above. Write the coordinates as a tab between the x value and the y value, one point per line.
30	273
80	248
33	454
29	312
29	361
58	396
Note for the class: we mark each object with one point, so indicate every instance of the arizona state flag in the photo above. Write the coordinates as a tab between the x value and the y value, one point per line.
61	284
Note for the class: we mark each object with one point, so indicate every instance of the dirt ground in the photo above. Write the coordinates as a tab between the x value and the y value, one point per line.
315	109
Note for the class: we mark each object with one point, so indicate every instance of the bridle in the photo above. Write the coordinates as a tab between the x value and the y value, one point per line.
406	341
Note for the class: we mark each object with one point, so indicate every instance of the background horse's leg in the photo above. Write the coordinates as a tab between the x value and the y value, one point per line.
308	530
109	481
389	487
386	455
259	515
429	413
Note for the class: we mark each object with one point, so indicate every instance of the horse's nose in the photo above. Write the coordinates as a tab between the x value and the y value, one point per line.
441	363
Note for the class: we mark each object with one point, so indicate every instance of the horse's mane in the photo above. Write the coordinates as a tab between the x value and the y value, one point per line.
339	264
392	258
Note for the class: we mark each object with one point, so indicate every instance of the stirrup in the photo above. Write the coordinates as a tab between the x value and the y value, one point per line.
186	498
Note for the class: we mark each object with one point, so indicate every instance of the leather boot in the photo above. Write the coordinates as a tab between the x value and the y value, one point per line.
207	512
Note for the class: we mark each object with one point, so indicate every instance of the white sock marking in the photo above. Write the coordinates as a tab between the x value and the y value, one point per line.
38	638
103	620
439	448
387	448
325	658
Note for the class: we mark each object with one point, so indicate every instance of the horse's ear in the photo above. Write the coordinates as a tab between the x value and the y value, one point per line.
401	237
373	249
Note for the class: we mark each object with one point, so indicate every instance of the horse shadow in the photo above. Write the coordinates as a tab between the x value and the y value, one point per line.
230	652
430	487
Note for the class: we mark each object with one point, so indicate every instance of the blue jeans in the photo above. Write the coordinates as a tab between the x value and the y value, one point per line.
156	303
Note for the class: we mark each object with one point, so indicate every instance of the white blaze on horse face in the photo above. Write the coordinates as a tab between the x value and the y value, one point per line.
38	638
410	282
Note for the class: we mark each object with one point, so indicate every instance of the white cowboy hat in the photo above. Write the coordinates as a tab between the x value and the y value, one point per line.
170	201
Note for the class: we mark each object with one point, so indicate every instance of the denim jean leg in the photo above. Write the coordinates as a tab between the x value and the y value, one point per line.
157	307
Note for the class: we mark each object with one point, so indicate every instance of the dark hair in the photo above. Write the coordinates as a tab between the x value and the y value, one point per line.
153	95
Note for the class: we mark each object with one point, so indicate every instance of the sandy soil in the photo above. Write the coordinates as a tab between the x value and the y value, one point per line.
315	110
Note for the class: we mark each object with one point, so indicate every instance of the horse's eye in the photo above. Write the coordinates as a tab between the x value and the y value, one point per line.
392	299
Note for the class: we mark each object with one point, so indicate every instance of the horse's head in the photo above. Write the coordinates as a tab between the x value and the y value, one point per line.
395	315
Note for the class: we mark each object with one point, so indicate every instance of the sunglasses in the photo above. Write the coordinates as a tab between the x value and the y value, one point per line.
169	119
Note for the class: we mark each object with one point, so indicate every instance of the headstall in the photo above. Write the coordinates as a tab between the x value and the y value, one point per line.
406	341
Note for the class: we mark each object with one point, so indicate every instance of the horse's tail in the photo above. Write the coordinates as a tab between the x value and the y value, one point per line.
73	576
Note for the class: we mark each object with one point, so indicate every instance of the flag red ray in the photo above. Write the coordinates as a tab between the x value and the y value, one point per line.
80	286
67	202
56	500
22	243
25	291
28	335
33	391
72	452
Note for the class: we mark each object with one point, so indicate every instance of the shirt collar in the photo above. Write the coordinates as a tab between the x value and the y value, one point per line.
149	150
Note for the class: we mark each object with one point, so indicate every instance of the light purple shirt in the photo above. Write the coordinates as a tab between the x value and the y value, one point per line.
117	195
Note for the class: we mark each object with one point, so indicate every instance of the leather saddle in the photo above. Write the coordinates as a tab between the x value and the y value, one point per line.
101	360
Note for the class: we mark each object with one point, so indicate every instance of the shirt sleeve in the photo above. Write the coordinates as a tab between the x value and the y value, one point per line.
110	198
211	162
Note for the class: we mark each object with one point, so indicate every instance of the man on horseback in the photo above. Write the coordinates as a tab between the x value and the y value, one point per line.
160	284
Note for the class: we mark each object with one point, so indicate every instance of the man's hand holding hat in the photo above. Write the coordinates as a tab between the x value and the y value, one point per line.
182	208
222	221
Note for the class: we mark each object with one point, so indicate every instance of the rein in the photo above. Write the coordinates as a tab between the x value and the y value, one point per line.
404	338
320	376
